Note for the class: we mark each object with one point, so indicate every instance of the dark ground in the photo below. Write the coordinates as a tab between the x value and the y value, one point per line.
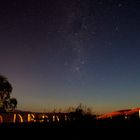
73	130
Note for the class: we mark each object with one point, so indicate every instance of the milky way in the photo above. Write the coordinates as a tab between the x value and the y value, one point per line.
60	53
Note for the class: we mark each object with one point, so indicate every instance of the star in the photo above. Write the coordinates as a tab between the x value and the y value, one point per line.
120	5
77	69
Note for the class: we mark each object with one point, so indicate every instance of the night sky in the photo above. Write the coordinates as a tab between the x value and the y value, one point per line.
59	53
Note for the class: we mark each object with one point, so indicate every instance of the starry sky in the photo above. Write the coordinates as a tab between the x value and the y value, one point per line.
59	53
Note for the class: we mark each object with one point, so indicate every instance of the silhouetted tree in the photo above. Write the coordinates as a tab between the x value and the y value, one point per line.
82	113
6	102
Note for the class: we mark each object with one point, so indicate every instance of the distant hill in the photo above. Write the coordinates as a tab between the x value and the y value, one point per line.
21	111
121	113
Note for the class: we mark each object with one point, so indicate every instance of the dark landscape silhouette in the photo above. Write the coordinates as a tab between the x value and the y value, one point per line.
80	117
